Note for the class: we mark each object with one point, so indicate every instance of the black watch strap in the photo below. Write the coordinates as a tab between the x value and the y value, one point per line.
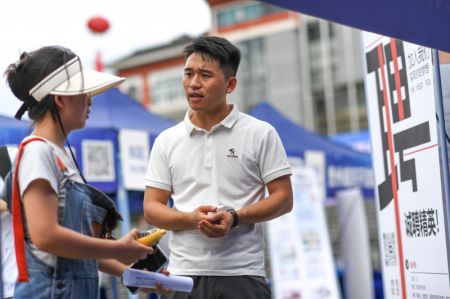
235	218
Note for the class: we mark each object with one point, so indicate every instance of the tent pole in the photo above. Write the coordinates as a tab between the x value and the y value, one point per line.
124	209
442	142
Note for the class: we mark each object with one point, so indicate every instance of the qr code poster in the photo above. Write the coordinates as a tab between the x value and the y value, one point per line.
400	91
98	160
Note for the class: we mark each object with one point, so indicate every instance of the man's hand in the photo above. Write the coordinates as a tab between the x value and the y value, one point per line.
217	225
201	213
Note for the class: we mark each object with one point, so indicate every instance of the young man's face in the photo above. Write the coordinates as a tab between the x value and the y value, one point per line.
205	85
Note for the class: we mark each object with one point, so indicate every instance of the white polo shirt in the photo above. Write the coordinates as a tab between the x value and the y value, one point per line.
229	166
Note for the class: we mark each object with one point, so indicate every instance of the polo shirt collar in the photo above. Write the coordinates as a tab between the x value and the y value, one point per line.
227	122
231	118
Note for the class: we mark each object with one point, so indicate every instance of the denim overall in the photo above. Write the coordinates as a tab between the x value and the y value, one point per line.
70	278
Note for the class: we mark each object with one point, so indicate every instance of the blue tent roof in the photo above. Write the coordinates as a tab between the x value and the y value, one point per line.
421	22
297	140
6	121
345	167
359	141
12	131
115	110
112	111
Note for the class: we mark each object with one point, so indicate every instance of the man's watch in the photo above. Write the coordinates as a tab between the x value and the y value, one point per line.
235	218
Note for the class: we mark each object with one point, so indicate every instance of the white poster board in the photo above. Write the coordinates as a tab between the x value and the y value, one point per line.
301	259
402	118
134	152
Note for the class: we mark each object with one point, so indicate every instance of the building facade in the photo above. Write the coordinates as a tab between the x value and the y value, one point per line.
309	69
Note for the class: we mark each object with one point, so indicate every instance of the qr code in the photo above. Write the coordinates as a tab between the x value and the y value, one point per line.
98	160
389	246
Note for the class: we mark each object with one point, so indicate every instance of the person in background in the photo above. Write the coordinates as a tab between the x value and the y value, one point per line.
216	165
62	226
9	268
8	257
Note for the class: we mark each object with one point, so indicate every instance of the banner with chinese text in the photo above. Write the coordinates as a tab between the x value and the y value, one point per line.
410	201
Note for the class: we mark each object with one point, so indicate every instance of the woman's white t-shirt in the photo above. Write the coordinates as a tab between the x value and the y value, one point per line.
39	162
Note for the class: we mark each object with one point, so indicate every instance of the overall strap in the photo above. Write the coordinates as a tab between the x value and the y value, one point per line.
19	234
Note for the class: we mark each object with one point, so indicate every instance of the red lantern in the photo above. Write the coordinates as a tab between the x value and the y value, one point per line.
98	24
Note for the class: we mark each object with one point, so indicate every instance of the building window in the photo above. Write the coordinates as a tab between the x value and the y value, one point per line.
342	112
132	92
252	72
362	109
316	65
313	31
166	86
243	13
337	68
133	88
331	30
168	90
320	115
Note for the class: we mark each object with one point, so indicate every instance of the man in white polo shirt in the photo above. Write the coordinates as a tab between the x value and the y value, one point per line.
215	165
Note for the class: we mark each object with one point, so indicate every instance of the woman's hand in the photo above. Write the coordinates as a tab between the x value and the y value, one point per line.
130	250
3	206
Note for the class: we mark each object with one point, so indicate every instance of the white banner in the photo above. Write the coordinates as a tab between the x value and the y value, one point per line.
134	152
301	259
410	203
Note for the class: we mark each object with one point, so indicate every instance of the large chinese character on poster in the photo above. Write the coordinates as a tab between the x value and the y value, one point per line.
402	117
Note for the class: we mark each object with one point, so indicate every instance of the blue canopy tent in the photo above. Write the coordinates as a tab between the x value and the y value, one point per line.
115	110
111	112
13	131
359	141
421	22
352	168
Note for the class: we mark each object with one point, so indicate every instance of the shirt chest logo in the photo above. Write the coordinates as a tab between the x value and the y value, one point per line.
232	153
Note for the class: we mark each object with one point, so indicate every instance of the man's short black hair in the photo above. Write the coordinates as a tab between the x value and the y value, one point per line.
218	48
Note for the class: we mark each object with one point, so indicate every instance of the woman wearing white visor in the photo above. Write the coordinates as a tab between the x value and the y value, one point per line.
61	225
